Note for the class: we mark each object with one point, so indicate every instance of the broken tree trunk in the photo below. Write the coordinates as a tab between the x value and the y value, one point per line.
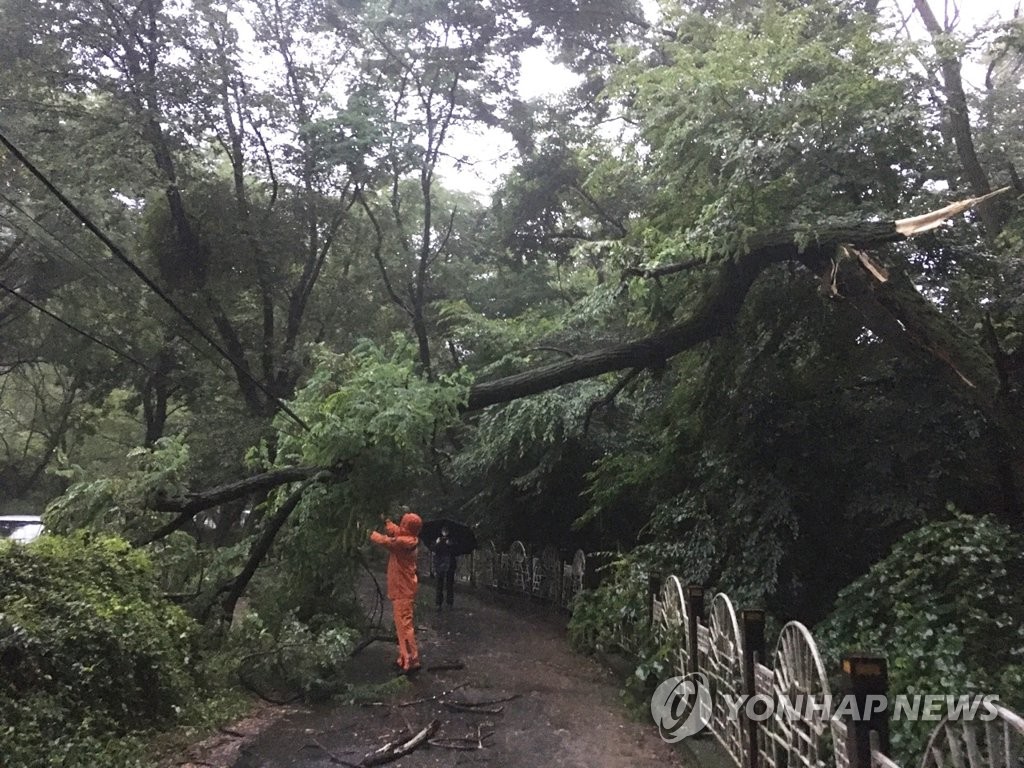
886	300
718	308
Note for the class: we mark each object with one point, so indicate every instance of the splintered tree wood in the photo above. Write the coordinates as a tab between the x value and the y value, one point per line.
718	308
395	751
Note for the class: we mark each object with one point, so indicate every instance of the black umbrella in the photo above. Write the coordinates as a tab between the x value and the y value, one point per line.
462	538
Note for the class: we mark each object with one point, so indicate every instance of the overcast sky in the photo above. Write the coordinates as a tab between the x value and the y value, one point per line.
492	150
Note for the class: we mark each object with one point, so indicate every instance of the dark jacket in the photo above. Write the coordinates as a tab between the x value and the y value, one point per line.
444	560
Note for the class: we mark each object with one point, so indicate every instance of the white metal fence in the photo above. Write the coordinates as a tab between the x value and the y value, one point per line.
808	737
544	575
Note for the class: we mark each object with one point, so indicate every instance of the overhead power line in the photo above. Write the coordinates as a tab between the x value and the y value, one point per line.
138	272
106	280
75	328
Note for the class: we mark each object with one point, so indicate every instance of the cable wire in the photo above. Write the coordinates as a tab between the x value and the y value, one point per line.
75	328
108	280
138	272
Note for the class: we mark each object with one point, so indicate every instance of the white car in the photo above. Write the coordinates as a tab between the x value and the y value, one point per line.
20	528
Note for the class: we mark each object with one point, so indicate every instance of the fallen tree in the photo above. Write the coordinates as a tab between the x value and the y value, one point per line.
884	296
845	262
836	256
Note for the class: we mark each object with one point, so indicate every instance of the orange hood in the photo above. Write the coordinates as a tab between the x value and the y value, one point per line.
411	523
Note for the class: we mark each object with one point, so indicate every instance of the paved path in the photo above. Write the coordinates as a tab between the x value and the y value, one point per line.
566	713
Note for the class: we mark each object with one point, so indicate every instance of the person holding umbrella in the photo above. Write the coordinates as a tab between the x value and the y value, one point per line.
444	567
448	540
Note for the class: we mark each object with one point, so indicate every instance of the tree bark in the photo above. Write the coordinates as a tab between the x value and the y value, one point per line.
262	482
992	213
192	504
885	299
156	393
717	310
261	547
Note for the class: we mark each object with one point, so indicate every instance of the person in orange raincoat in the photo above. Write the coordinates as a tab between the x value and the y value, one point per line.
401	541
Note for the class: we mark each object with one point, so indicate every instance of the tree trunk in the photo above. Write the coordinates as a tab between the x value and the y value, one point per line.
885	300
717	310
261	547
992	213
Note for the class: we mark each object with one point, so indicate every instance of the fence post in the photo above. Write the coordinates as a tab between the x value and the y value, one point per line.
752	629
591	579
694	596
653	590
867	680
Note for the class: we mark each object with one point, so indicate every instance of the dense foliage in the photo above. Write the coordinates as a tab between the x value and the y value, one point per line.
91	653
942	608
302	179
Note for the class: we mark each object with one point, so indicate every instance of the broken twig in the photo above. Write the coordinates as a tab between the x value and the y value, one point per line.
432	698
401	750
467	743
455	706
487	702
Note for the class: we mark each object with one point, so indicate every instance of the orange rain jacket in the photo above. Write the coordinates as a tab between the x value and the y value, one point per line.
401	540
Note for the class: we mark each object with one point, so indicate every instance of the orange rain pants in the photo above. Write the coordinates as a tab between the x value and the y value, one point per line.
408	652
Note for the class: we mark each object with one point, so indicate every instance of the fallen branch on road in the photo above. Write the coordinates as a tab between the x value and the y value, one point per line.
432	698
467	743
476	710
479	707
391	752
486	703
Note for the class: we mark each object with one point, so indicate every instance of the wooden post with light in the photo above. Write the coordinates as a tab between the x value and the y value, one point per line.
867	680
752	623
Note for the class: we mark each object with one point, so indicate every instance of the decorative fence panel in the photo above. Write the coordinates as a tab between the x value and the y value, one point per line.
798	730
800	738
671	624
543	576
728	650
998	743
721	658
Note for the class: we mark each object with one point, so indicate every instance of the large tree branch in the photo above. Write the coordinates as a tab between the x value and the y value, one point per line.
196	502
718	308
377	254
889	304
261	546
192	504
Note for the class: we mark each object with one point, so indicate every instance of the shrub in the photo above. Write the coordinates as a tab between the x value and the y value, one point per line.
91	654
290	658
946	608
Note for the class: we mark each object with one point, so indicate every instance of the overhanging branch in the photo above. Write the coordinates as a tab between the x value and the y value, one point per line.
820	251
197	502
719	307
192	504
